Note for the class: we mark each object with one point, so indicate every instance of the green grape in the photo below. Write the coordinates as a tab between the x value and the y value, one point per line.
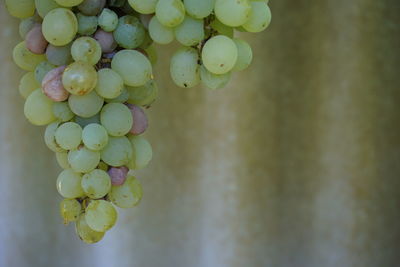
59	55
159	33
79	78
69	184
86	49
146	42
95	136
28	84
118	151
86	121
214	81
38	108
92	7
144	7
86	106
232	12
134	68
21	8
222	28
25	59
190	32
60	26
27	24
45	6
102	166
143	95
219	54
245	55
108	20
87	25
96	184
260	17
62	111
127	195
129	33
62	160
109	84
50	137
68	3
170	13
122	98
83	159
116	118
199	9
85	233
142	152
70	209
101	215
69	135
42	69
184	67
152	54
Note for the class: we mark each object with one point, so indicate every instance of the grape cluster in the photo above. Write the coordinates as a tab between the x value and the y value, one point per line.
89	78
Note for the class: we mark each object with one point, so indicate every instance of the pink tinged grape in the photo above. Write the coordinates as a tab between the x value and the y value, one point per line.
140	122
118	175
35	41
52	85
106	41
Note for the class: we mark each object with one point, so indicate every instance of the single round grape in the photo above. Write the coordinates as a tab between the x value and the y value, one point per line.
118	151
42	69
170	13
87	105
21	8
142	152
214	81
69	135
92	7
127	195
184	67
62	111
79	78
219	54
85	233
69	184
83	122
38	108
108	20
159	33
143	95
52	85
25	59
70	209
122	98
62	160
60	26
68	3
118	175
221	28
129	33
140	122
95	136
83	159
110	83
232	12
245	55
35	41
101	215
106	41
86	49
260	17
190	32
28	84
199	9
87	25
50	137
45	6
144	7
116	118
134	68
59	55
27	24
96	184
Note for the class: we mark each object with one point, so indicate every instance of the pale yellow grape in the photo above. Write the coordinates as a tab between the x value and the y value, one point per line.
60	26
68	3
222	28
85	233
190	32
45	6
159	33
170	13
260	17
50	137
38	108
245	55
28	84
143	95
69	135
86	49
69	184
134	68
214	81
62	111
144	7
116	118
199	9
86	106
118	151
70	209
21	8
25	59
127	195
101	215
96	184
79	78
108	20
62	160
83	159
184	67
232	12
109	84
95	136
142	152
219	54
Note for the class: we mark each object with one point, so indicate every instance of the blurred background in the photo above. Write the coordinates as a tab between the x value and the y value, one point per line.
295	164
